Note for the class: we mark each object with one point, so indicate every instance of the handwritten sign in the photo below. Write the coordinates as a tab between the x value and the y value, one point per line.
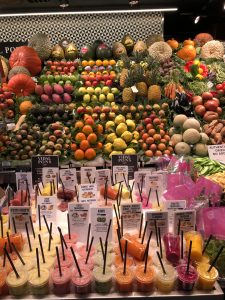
39	162
187	220
131	215
217	152
87	174
69	178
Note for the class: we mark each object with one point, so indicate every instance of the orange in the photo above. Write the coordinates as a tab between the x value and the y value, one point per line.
112	62
161	132
153	147
149	140
89	121
98	62
144	146
90	154
105	62
80	137
92	138
158	153
149	126
79	124
25	106
87	129
149	153
157	137
79	154
161	147
99	145
91	63
167	137
84	145
151	132
99	129
84	63
73	147
145	136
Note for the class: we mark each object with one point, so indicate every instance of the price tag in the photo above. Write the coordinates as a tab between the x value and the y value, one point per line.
217	152
23	179
187	220
130	160
155	183
131	215
39	162
139	178
87	193
172	206
161	219
48	207
120	173
79	220
69	178
50	174
100	218
101	176
87	175
21	215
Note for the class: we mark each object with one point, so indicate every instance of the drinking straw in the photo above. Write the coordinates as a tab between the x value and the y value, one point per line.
14	225
38	263
53	184
4	258
58	259
76	262
68	225
50	188
18	183
89	250
41	246
117	219
108	230
207	243
120	246
182	244
9	242
88	176
124	178
160	242
189	257
57	181
106	192
148	244
76	193
88	237
50	239
106	179
42	183
9	225
156	233
18	254
157	197
11	263
28	237
215	259
131	191
39	217
63	188
1	225
62	238
178	227
28	192
140	229
105	257
32	226
140	192
121	226
120	196
149	193
125	258
161	263
46	224
146	258
101	244
142	182
21	197
145	228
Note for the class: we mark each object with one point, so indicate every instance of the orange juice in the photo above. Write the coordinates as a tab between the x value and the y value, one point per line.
135	249
206	280
118	262
197	244
124	282
145	281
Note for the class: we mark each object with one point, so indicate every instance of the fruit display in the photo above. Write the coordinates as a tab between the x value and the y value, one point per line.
7	106
62	67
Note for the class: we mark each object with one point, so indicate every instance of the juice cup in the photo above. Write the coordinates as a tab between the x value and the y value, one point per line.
61	284
145	281
29	264
39	285
3	286
197	244
142	262
83	253
156	262
82	285
3	240
165	282
135	249
110	247
73	238
17	286
205	259
18	241
98	259
49	262
172	248
186	280
206	280
124	282
67	263
90	264
103	282
118	262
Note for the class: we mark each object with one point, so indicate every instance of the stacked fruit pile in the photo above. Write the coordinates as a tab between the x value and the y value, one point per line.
6	103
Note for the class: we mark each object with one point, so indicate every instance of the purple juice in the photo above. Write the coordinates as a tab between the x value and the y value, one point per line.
172	248
186	280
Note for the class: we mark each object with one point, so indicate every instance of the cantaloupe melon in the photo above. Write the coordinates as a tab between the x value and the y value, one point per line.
201	149
179	120
204	138
191	123
176	138
191	136
182	148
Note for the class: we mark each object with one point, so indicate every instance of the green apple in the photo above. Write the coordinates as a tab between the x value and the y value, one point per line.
90	90
102	98
98	91
86	98
105	90
94	98
115	91
110	97
57	78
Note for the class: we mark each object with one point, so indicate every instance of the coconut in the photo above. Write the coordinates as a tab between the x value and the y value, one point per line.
191	123
212	49
191	136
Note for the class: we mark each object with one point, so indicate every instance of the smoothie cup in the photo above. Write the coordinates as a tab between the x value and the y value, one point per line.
145	281
118	262
17	286
83	253
3	286
18	241
142	262
82	285
165	282
61	284
39	285
156	262
206	280
49	262
110	247
124	282
29	264
186	280
134	249
98	259
197	244
103	282
73	238
172	248
205	259
67	263
89	265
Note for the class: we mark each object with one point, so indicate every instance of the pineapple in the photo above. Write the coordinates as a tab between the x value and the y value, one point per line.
139	79
128	95
154	92
124	72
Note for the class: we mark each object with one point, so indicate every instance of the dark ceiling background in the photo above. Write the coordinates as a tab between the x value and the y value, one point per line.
178	24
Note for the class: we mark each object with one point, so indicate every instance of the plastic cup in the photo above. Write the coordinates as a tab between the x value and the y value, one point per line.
205	259
172	248
186	280
156	262
67	263
17	286
39	285
73	239
83	253
27	253
98	259
2	245
110	247
51	252
142	262
124	282
197	244
165	282
29	264
118	262
49	262
90	264
103	282
61	284
134	249
206	280
82	285
3	286
145	281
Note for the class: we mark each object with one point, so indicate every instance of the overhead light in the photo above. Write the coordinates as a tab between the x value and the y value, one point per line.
133	3
224	5
197	19
64	3
99	12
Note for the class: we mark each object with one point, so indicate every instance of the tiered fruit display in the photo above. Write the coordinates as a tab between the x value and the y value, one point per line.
7	106
62	67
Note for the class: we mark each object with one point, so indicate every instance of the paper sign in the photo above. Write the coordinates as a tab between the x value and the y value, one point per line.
39	162
79	220
86	172
172	206
48	207
21	215
130	160
87	193
100	218
21	178
69	178
50	174
131	216
101	176
217	152
161	221
120	173
187	220
139	178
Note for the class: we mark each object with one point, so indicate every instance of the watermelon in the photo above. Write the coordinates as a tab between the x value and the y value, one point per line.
87	52
103	51
96	44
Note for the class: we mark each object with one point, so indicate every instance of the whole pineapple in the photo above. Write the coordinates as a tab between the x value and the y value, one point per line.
140	83
154	90
128	96
126	65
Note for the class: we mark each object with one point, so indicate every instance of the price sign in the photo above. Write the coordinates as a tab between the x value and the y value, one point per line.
126	160
24	179
158	218
48	207
120	173
69	178
39	162
217	152
187	220
140	178
101	176
21	215
50	175
131	215
87	175
88	193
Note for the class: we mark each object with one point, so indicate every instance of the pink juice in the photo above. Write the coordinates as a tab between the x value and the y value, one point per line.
67	263
89	265
71	240
186	280
172	248
61	284
83	253
82	285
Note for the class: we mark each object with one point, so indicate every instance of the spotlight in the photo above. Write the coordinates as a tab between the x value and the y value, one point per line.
64	3
133	3
197	19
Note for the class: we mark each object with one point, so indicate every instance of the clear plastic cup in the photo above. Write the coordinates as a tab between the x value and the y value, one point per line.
61	284
145	281
82	285
124	282
118	262
98	259
165	282
197	244
103	282
17	286
83	253
186	280
65	263
71	240
134	249
39	285
206	280
172	248
90	264
110	247
29	264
